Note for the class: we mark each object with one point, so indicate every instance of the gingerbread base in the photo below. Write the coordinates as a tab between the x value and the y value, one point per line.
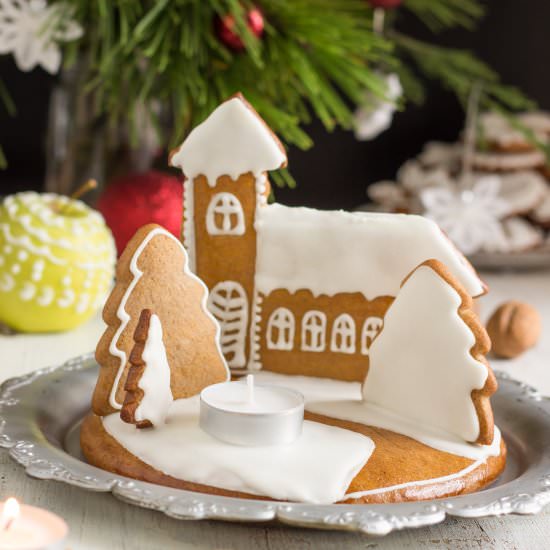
396	460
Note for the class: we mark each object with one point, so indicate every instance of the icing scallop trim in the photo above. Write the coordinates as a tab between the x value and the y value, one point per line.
255	360
188	228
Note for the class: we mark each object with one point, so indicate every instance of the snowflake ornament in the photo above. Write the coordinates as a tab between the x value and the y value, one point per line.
470	216
376	114
31	30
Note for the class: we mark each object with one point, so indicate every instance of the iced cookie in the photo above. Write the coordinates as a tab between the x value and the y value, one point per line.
295	290
369	316
430	436
153	273
444	379
148	394
503	162
500	135
541	213
522	191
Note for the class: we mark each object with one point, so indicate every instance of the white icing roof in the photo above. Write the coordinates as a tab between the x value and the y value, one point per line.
337	251
232	141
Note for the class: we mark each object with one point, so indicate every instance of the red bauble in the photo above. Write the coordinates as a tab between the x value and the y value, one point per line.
225	28
385	4
134	200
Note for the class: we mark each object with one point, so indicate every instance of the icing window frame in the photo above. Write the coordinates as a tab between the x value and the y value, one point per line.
343	329
368	331
282	320
227	205
232	316
314	326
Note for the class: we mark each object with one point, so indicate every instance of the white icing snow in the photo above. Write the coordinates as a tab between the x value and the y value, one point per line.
343	400
317	468
330	252
232	141
420	364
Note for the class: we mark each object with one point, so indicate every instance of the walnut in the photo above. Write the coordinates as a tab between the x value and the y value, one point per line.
513	328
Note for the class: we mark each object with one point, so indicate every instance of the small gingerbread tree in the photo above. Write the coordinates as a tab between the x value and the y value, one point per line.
153	273
148	394
437	375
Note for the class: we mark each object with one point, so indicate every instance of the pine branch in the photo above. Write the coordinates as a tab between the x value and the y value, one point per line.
438	15
315	58
458	70
6	99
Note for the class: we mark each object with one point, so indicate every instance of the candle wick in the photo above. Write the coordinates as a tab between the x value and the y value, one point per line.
250	384
8	524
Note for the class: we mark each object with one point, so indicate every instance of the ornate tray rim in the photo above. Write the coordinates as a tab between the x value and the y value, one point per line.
41	459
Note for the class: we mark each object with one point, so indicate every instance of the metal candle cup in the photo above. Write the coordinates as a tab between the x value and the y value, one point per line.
241	413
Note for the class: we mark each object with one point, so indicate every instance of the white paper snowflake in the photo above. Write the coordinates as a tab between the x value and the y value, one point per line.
376	114
470	217
31	30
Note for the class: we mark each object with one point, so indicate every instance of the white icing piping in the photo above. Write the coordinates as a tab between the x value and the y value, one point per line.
40	207
25	242
189	222
476	464
228	303
226	205
43	236
31	206
7	282
255	360
261	184
124	318
421	483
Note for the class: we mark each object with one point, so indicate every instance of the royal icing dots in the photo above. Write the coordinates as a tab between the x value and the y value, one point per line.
34	252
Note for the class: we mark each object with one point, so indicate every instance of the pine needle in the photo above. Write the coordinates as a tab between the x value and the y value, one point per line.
316	58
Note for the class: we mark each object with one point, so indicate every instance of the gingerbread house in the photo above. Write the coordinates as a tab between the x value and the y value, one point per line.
296	290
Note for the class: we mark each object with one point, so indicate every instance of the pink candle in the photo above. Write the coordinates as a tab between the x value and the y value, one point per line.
30	528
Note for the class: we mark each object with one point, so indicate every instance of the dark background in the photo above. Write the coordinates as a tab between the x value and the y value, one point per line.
513	39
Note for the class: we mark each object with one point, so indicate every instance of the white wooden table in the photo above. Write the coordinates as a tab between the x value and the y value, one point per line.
99	521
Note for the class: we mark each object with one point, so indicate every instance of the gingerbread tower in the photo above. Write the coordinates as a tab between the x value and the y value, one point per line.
225	160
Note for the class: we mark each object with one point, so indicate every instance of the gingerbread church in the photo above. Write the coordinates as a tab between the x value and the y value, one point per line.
295	290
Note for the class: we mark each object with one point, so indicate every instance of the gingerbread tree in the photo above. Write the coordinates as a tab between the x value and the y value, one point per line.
153	273
148	394
428	363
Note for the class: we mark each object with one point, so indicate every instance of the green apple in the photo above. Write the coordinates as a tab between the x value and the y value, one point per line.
57	260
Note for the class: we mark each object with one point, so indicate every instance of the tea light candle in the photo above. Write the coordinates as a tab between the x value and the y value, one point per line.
242	413
30	528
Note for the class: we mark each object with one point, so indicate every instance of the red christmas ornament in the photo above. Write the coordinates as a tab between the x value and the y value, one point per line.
385	4
225	28
134	200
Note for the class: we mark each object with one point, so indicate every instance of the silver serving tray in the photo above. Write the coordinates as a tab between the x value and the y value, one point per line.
40	416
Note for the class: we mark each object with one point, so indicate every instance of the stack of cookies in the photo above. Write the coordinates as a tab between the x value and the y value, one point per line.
508	185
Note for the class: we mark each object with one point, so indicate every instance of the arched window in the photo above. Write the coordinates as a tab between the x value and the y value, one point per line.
314	325
224	215
371	328
280	330
228	303
343	334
